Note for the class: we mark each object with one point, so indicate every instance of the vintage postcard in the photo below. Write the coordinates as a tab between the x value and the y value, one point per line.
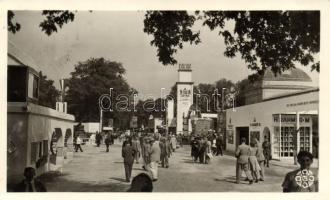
210	100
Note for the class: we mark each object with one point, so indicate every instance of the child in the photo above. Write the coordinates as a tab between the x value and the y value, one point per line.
303	179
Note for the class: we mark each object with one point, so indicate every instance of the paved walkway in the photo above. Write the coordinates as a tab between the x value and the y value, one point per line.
94	170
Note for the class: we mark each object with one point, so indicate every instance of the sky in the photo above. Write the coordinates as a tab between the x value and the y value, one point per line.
118	36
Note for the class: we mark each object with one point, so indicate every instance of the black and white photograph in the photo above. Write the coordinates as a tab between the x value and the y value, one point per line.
163	100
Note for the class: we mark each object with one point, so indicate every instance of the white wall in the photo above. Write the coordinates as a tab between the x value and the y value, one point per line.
91	127
263	112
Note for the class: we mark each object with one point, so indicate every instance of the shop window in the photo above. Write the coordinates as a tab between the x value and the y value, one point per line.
287	144
305	138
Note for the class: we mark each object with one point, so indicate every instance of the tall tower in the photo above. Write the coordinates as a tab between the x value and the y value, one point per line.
185	93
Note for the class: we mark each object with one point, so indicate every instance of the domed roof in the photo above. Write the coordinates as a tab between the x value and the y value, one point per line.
293	74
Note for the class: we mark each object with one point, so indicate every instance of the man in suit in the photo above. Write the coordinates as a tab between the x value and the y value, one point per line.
165	151
242	154
30	184
267	150
98	139
154	158
128	155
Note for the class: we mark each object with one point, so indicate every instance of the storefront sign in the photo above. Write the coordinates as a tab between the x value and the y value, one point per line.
184	66
302	103
255	124
291	119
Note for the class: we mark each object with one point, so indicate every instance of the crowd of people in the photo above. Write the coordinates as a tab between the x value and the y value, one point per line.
155	149
203	148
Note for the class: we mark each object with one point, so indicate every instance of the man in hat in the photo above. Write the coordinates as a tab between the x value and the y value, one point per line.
266	150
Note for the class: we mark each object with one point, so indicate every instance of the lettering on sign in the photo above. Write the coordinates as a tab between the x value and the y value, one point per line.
185	66
185	92
291	119
302	103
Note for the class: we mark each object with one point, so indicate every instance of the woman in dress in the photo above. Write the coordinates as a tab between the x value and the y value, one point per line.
254	165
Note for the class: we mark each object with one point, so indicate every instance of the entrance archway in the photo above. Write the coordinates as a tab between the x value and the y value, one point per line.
56	145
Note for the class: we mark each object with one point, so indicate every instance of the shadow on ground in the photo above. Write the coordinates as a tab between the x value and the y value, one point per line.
231	179
57	182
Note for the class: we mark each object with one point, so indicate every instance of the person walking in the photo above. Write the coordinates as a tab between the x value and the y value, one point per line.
154	158
201	152
146	151
242	154
267	151
254	165
180	140
137	148
173	142
195	149
98	139
128	155
219	145
78	144
165	152
107	142
261	159
208	152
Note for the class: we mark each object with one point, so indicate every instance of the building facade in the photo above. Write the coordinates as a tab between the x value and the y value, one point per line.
185	91
276	119
37	136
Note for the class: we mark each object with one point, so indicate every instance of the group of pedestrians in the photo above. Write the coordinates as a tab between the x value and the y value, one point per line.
204	148
155	149
251	160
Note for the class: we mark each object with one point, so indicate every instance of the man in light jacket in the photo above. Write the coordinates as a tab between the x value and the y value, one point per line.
154	158
242	154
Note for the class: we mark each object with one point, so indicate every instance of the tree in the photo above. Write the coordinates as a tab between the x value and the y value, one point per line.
48	94
265	39
54	19
88	82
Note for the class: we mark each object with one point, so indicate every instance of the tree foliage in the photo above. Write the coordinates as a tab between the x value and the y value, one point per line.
54	19
88	82
265	39
48	94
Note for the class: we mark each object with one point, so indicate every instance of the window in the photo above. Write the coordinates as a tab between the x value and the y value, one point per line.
16	84
287	144
45	147
38	150
305	138
34	152
33	86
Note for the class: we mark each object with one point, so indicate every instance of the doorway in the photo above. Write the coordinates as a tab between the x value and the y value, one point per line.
240	133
